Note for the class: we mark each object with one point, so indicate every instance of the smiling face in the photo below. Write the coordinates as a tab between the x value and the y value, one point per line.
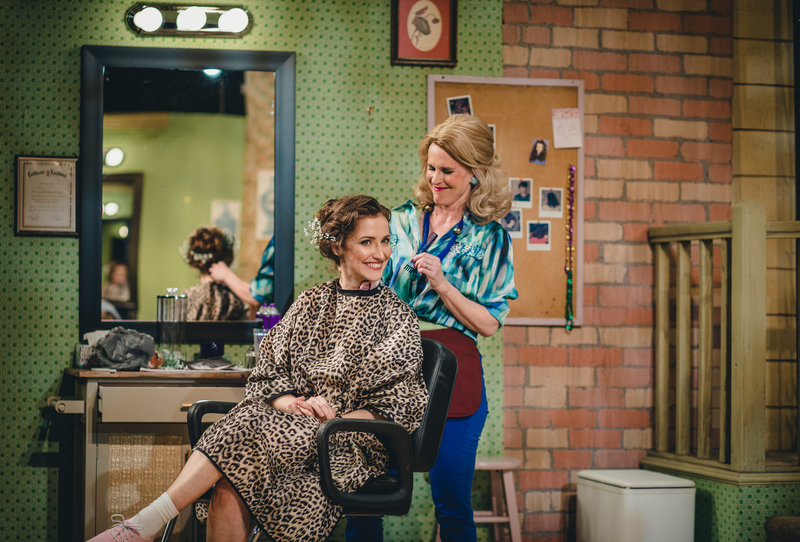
450	182
365	253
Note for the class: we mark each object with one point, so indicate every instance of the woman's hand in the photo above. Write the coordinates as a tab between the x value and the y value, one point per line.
318	407
431	267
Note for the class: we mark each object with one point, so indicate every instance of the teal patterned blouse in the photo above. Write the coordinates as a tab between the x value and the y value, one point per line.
261	287
480	264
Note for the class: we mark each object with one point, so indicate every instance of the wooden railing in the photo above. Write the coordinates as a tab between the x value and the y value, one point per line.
726	261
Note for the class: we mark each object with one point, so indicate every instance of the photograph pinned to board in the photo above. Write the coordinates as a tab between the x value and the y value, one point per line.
538	232
459	104
551	202
521	190
539	151
512	223
567	130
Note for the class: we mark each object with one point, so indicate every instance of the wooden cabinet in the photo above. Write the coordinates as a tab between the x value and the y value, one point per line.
132	439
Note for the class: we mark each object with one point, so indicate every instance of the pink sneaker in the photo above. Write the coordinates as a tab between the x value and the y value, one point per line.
122	531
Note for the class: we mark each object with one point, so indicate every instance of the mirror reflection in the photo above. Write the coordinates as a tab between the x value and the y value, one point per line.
198	150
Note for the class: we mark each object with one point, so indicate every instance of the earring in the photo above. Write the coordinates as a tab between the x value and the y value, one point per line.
474	181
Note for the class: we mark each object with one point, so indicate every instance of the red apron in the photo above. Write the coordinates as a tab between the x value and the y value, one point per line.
468	389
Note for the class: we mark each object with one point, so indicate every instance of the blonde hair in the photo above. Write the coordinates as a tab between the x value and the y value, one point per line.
470	142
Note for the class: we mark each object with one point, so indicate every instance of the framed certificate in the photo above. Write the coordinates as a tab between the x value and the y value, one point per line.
46	195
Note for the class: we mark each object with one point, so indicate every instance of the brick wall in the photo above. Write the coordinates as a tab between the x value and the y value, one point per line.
658	83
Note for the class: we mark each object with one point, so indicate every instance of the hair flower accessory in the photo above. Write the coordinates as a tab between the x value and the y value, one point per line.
314	233
190	255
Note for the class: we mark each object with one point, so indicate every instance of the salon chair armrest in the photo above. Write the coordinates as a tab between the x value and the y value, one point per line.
194	417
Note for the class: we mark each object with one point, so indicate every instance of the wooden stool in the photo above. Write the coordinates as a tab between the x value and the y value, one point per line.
503	496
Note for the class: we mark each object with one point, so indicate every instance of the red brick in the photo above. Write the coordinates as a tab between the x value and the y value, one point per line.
517	71
696	86
512	438
592	60
638	357
707	109
542	523
720	88
596	397
511	35
595	357
542	480
624	418
590	252
623	377
639	317
589	295
619	211
720	47
625	296
625	126
596	316
551	15
568	459
515	335
534	417
632	4
707	24
536	35
654	22
515	13
640	275
635	232
618	459
591	81
543	355
588	169
544	74
627	83
655	63
719	212
595	438
651	148
604	146
720	131
661	107
677	213
720	153
512	396
723	7
510	417
513	375
678	171
574	418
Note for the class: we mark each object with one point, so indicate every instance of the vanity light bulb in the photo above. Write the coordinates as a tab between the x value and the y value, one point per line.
123	232
191	19
149	19
114	157
111	208
212	72
233	20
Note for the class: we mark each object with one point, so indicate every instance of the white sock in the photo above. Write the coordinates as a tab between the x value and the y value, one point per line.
151	519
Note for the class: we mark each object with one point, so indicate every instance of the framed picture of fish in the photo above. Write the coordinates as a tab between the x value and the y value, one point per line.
424	32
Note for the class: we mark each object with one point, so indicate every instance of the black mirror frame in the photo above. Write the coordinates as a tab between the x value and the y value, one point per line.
94	60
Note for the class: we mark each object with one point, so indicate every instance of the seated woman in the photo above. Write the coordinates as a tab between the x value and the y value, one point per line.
210	300
348	347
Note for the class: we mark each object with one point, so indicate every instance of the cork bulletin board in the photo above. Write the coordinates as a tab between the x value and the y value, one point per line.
529	116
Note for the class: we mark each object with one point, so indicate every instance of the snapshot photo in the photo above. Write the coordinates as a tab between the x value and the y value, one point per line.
539	152
538	232
459	104
551	203
521	190
512	223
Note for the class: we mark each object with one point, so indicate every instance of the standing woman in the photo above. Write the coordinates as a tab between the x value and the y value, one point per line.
452	263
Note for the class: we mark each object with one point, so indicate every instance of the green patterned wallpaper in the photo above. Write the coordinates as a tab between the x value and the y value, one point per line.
342	69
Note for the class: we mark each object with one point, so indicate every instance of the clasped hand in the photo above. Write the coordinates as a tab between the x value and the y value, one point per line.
317	407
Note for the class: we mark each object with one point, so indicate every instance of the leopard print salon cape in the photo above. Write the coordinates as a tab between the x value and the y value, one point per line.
358	349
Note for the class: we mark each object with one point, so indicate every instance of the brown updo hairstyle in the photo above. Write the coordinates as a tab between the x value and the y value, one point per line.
338	219
470	142
207	246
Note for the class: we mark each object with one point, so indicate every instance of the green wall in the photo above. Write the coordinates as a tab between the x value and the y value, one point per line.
343	51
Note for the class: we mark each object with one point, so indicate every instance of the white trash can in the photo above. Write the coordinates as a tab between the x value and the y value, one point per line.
632	505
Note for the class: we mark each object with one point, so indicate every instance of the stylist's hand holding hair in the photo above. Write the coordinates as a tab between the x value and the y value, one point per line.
452	263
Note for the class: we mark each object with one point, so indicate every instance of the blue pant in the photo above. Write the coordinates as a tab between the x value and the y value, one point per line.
451	483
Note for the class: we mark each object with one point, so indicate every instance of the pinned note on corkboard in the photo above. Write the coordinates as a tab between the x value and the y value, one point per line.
538	127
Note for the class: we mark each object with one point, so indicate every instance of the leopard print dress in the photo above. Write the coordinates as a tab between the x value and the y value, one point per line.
358	349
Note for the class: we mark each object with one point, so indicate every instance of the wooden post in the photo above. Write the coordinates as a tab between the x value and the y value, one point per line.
662	346
683	363
725	352
748	337
705	338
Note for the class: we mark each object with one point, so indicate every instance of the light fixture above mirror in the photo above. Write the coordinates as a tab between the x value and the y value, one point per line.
146	19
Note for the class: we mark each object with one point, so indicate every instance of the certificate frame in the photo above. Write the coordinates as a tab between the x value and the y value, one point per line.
46	196
424	32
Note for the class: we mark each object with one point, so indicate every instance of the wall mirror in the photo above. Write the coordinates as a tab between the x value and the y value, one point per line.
208	139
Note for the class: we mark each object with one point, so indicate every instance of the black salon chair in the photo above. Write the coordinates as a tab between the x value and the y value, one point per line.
387	495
